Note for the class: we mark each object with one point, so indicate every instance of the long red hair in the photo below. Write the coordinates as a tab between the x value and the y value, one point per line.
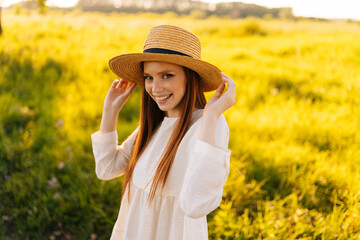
150	118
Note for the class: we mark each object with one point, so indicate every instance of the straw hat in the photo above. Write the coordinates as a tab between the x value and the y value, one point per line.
166	43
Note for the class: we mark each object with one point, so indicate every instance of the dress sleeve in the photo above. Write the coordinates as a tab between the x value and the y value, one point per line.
111	159
206	174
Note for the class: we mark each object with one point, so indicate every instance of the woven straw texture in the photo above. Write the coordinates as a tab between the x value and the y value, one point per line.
128	66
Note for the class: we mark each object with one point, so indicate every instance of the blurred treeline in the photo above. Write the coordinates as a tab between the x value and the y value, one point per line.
294	129
197	9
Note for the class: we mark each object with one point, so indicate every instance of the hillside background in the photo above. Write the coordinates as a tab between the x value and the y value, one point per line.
294	136
198	9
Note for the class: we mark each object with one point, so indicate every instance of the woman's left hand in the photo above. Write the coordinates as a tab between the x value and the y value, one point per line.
218	104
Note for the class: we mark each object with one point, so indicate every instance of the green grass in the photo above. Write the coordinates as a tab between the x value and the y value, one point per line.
294	137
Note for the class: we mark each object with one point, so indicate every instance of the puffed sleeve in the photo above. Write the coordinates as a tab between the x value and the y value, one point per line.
206	174
111	159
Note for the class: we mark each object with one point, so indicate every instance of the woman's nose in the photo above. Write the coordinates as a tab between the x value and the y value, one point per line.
157	86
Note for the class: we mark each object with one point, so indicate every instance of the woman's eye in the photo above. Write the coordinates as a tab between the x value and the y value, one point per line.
168	75
147	77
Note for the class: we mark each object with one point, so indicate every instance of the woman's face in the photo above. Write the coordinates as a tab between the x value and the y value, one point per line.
166	84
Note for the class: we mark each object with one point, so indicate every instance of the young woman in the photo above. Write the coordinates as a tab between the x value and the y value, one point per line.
176	162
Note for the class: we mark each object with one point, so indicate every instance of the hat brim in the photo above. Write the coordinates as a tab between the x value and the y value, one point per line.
128	67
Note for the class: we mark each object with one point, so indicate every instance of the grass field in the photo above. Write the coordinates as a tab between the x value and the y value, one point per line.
295	164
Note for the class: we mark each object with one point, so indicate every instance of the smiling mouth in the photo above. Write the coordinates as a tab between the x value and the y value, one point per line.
162	98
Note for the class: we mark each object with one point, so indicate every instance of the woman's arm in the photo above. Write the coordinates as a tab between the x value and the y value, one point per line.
111	159
215	107
116	98
209	165
206	174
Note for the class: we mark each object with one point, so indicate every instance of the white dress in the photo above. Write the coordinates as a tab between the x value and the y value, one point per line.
193	189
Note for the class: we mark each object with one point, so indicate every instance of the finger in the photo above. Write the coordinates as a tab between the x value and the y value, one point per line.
123	84
220	90
231	84
130	88
218	93
231	90
120	83
133	85
115	83
224	75
226	78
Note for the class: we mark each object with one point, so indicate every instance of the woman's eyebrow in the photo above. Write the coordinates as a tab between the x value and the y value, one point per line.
162	72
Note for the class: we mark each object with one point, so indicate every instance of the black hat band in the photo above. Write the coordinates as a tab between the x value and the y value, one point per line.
165	51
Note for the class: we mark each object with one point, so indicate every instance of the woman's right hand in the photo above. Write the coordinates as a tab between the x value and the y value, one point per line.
117	95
